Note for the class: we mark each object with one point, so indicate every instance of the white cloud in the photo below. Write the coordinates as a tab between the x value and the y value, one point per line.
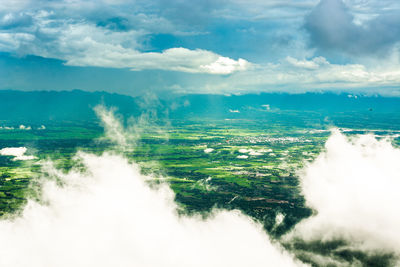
225	65
319	71
266	106
208	150
85	44
353	187
17	152
192	61
113	128
294	75
6	128
83	33
108	215
9	42
307	64
23	127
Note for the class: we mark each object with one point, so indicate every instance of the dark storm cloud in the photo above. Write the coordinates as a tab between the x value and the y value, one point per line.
331	26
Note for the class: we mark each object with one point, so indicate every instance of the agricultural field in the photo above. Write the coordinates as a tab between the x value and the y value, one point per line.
244	164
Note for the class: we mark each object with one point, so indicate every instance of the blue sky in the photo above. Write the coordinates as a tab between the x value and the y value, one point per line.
201	46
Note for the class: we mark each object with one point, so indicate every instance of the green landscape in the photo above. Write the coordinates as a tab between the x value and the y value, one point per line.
248	164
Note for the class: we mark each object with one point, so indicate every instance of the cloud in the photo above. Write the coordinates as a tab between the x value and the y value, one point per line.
353	187
6	128
314	63
302	75
23	127
15	20
225	65
106	214
84	44
332	26
254	10
192	61
17	152
208	150
113	128
14	5
249	46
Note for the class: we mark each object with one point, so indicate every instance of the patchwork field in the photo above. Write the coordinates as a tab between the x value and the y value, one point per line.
244	164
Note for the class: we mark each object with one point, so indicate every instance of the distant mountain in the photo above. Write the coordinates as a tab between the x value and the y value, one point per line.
44	106
77	105
314	102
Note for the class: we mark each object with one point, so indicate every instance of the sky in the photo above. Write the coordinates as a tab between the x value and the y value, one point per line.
219	47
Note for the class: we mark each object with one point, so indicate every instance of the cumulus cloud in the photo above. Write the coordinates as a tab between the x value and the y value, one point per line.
319	71
353	187
225	65
17	152
83	43
193	61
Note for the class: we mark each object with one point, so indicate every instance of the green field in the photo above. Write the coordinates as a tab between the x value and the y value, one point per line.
247	164
232	164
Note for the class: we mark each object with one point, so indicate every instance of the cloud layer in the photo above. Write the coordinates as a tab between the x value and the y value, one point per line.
108	215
